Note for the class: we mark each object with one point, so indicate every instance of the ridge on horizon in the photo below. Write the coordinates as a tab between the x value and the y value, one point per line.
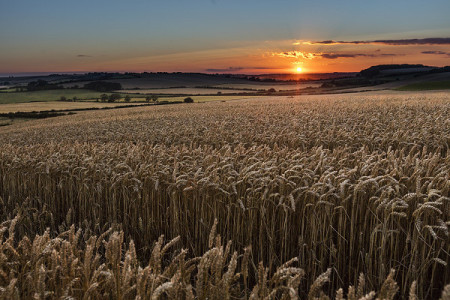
80	73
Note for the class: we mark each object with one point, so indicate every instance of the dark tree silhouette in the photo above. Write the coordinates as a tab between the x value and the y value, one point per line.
114	97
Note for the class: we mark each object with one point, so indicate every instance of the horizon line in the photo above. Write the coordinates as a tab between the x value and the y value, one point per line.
31	74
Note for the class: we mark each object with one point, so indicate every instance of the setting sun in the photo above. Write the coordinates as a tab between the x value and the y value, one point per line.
299	70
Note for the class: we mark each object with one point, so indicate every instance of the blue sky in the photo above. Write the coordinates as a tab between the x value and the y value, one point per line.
172	35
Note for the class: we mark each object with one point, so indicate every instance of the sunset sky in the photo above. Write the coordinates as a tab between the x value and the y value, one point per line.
218	36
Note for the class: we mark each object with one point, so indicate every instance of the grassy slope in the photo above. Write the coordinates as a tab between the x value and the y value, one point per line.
422	86
11	90
50	95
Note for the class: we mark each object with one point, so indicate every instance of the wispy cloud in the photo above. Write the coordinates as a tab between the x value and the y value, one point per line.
436	53
337	55
295	54
83	55
236	69
311	55
334	55
400	42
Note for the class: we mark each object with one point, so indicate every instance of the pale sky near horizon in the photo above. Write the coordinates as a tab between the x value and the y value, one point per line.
246	36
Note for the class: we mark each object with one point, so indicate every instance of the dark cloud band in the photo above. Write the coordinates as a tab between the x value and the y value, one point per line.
402	42
436	53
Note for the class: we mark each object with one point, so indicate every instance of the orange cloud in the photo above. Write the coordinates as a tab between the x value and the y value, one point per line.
311	55
295	54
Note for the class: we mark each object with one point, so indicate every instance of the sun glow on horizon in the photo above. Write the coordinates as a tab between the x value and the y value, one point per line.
299	70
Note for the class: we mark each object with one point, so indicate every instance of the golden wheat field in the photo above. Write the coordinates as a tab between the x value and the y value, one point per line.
308	197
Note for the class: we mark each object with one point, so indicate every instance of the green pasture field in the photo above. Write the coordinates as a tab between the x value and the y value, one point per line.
424	86
48	95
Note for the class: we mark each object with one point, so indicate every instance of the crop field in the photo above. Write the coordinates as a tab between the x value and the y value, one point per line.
67	105
202	98
306	197
184	91
198	98
266	86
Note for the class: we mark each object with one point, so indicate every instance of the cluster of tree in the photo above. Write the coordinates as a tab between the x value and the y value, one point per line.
111	98
103	86
116	97
41	85
258	79
188	100
152	98
64	98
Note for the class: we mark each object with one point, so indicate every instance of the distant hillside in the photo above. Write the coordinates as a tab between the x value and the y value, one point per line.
394	69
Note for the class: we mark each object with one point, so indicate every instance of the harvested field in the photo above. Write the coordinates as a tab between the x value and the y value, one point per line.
55	105
278	87
183	91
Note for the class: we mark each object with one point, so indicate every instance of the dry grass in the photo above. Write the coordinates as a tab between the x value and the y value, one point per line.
182	91
266	86
343	184
202	99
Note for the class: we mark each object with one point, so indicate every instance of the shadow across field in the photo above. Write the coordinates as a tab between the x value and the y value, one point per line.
64	112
